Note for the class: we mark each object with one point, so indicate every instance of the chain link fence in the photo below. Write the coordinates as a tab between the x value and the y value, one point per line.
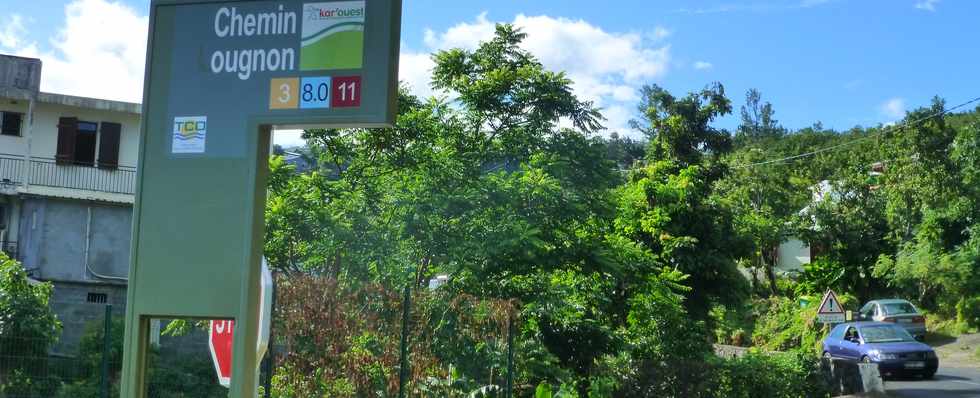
329	339
336	339
85	361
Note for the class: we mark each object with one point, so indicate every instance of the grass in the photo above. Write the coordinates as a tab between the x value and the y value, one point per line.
949	327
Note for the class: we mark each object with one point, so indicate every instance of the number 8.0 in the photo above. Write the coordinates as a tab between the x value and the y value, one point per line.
322	92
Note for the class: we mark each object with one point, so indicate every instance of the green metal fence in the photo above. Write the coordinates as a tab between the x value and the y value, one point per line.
329	339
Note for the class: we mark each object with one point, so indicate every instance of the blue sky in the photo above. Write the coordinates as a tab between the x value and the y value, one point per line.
841	62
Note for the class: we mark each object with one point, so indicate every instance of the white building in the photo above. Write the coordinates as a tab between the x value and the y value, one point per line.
793	253
67	184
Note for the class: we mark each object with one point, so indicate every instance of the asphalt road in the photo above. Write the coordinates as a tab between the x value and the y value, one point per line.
949	382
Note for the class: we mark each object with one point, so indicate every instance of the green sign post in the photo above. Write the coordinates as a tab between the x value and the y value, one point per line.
220	76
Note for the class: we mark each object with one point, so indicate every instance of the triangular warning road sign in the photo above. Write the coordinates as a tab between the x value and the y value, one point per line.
830	304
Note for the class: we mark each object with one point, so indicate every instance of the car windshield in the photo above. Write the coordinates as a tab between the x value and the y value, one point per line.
898	308
885	334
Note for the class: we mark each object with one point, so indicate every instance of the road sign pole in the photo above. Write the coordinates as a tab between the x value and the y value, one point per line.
245	358
211	94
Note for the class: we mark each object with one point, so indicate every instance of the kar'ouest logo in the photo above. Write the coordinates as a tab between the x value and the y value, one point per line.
333	36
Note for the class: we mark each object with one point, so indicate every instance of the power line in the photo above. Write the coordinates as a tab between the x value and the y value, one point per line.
855	141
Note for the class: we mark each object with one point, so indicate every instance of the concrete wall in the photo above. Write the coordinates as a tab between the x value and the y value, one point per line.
20	73
70	303
11	204
76	314
53	239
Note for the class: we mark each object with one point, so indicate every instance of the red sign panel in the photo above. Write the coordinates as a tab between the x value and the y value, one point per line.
346	92
220	341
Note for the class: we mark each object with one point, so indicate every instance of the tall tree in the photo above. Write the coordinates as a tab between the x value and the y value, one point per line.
680	129
670	206
758	121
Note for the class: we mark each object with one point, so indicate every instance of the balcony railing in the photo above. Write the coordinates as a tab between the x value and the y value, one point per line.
48	173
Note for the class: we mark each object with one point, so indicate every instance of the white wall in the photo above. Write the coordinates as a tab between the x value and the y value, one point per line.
45	134
792	254
9	144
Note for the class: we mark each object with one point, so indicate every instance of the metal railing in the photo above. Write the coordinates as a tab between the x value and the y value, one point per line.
11	169
48	173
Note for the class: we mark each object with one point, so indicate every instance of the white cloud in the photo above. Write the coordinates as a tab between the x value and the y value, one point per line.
893	108
415	69
606	67
288	138
928	5
12	32
99	52
703	65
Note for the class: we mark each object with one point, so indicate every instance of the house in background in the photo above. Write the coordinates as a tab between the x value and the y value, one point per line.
67	184
793	254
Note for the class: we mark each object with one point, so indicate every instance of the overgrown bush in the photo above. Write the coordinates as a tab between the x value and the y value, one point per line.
344	341
785	326
968	312
27	328
780	375
170	374
90	352
820	275
733	324
777	375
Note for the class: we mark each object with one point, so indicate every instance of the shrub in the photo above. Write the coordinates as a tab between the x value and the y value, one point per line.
785	325
27	328
344	341
968	312
820	275
781	375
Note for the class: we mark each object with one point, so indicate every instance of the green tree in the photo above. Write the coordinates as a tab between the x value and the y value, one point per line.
680	129
27	328
764	200
758	122
930	187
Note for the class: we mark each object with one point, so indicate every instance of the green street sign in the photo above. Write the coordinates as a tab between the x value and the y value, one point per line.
220	76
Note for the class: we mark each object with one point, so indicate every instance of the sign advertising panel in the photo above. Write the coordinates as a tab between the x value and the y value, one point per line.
221	75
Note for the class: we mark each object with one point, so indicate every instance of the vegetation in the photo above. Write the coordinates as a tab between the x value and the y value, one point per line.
27	328
170	374
606	266
607	255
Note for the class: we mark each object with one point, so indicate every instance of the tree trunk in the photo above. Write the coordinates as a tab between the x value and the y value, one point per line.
768	262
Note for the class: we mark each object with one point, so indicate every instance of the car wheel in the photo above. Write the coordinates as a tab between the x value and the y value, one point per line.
929	375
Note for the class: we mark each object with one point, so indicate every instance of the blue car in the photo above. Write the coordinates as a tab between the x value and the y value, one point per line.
890	346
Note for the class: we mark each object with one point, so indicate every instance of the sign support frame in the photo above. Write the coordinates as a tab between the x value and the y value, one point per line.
383	26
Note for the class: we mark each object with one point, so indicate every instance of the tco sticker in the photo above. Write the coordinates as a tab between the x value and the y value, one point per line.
190	134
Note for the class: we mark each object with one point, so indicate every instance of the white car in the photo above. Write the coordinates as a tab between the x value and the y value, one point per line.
897	311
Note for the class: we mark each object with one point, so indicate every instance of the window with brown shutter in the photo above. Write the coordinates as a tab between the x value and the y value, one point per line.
86	137
67	130
10	123
109	145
